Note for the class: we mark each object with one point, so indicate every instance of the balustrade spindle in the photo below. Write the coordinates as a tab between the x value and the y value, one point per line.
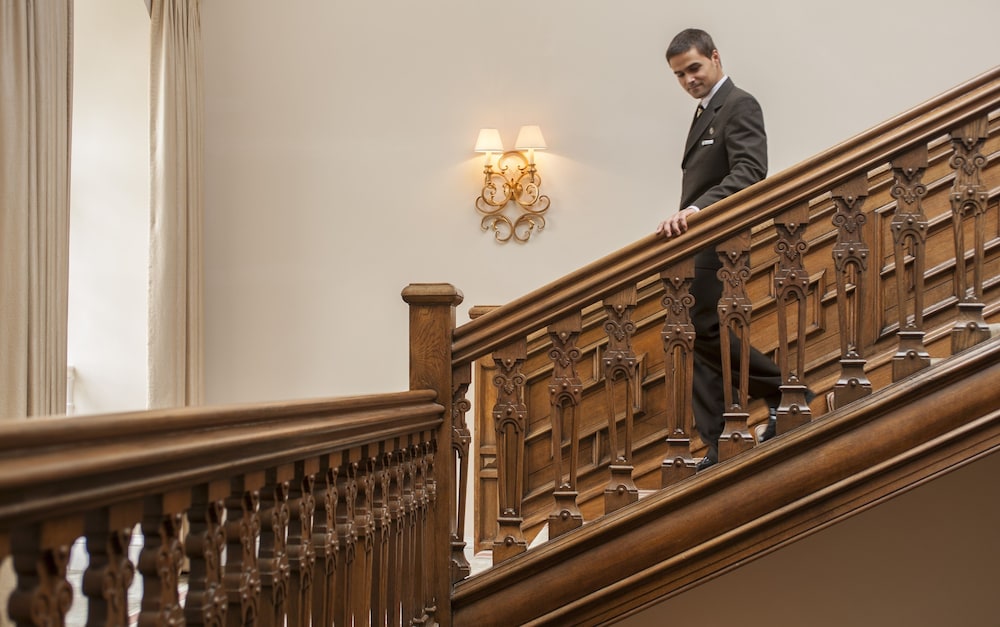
380	539
678	364
850	257
396	523
969	197
565	393
619	363
409	532
273	557
791	282
909	234
430	571
160	564
461	440
510	416
110	573
301	554
363	529
206	602
416	614
325	535
242	527
43	596
346	540
734	324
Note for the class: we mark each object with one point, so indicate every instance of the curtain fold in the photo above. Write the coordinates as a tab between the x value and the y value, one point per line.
36	74
176	343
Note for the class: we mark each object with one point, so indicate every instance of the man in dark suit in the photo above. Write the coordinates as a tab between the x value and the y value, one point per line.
726	151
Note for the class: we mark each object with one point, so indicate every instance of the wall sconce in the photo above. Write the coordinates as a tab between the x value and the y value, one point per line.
516	180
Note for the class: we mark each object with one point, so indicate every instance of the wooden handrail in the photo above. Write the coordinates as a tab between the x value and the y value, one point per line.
724	219
78	458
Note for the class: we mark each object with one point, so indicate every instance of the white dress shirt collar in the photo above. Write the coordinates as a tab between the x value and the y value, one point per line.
706	99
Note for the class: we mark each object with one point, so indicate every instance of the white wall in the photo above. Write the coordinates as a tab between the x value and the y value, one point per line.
109	206
340	164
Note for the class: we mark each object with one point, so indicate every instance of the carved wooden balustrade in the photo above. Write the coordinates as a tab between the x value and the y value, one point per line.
851	269
310	512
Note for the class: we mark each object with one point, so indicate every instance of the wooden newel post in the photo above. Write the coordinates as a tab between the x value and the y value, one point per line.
432	324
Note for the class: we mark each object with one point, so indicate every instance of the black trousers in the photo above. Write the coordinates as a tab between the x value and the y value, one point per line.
709	399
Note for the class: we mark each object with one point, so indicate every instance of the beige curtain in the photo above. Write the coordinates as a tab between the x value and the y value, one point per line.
36	78
176	352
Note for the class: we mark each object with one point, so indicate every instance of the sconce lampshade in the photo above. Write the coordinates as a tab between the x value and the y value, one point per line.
489	140
530	137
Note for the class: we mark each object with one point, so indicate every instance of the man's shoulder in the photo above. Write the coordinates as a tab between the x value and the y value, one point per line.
738	94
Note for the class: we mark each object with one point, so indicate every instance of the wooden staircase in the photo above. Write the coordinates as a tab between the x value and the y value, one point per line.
874	449
351	511
895	203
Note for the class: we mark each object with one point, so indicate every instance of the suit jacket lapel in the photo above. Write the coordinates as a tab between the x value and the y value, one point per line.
706	117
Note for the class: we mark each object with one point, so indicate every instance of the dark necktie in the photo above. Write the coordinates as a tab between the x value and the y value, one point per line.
697	114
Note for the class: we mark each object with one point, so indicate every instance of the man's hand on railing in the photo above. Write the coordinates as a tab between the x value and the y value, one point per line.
676	224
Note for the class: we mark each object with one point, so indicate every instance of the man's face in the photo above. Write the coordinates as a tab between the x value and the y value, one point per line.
697	73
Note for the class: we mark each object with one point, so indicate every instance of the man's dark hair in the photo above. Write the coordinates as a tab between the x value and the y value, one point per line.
688	38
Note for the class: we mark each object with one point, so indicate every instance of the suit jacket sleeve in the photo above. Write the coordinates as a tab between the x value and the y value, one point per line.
745	145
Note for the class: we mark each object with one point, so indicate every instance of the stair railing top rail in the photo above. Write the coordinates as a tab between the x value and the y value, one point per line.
743	210
58	465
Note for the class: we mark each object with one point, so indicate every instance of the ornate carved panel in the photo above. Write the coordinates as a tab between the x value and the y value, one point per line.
565	391
109	572
735	308
620	364
242	577
909	232
678	347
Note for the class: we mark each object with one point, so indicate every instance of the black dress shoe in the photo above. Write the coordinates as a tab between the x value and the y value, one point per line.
706	462
771	429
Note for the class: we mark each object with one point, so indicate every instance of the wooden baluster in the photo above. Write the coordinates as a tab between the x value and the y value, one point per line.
325	537
109	573
396	516
620	363
678	365
380	539
461	440
300	550
242	577
431	545
564	395
43	596
418	573
510	419
791	282
206	602
734	322
909	234
273	560
409	529
346	541
850	257
361	572
160	564
969	196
